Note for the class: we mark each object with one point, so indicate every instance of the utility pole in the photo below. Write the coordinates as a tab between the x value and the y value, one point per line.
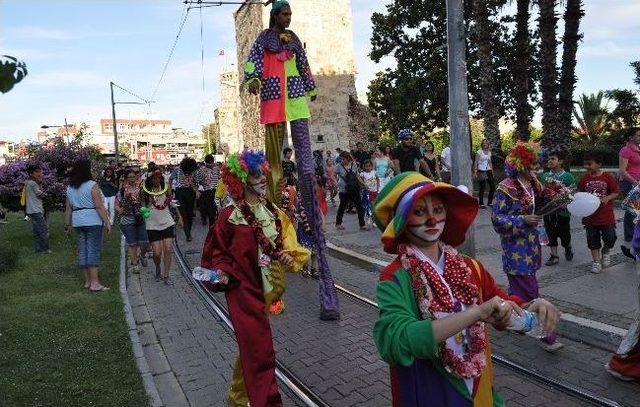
460	141
115	130
66	129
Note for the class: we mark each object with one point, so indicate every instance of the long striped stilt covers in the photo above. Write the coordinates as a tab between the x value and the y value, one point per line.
277	66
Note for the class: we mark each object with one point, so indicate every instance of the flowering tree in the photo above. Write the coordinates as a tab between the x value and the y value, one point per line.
55	159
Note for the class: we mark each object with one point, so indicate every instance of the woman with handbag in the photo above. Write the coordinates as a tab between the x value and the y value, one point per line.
160	223
132	224
483	172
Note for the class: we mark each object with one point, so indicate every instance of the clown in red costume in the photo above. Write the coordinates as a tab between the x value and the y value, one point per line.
250	247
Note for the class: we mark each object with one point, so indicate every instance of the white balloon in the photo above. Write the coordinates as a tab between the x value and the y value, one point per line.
583	204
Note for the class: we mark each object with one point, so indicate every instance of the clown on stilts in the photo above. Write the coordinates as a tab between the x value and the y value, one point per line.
278	69
249	249
434	302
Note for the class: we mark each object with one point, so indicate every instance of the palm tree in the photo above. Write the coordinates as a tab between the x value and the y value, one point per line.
593	117
573	14
522	62
547	22
488	97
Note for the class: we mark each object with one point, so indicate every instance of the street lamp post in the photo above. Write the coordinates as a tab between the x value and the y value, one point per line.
66	128
113	115
115	130
459	106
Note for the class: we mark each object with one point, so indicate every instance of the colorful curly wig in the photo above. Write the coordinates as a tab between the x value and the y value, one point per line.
521	158
239	166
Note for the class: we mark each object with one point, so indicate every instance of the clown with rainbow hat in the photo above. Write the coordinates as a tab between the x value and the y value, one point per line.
249	248
434	302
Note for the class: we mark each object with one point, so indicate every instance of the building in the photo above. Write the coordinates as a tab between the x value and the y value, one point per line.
144	139
148	139
227	115
326	30
8	151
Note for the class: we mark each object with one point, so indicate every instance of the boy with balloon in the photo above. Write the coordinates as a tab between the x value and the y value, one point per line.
600	225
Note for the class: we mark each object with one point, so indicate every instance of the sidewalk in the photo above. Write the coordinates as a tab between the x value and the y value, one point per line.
608	297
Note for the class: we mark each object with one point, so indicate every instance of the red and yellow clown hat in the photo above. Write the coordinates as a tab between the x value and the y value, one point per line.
396	199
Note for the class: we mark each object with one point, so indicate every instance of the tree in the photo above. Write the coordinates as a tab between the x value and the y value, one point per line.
547	22
572	16
593	117
415	93
627	110
12	71
522	63
488	97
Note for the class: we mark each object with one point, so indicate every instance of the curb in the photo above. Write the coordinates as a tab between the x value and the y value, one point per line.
592	332
141	360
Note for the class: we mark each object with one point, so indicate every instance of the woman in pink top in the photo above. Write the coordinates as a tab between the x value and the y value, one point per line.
629	177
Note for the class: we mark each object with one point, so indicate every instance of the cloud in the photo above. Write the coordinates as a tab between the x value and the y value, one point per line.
608	49
40	33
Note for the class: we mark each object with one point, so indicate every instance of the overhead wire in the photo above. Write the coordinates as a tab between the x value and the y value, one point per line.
173	47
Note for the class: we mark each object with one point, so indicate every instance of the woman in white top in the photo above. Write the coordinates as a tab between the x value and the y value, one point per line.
383	167
85	213
160	224
483	172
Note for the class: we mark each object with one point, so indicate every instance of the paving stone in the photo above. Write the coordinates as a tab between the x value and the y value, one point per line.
156	359
169	390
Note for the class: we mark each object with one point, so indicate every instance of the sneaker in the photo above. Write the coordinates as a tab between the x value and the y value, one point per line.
596	267
618	375
158	275
552	347
568	253
606	260
365	227
553	260
168	281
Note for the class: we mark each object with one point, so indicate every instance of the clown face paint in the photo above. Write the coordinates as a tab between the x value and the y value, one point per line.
258	184
426	220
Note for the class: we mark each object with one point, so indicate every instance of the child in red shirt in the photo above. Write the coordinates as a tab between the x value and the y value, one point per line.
601	225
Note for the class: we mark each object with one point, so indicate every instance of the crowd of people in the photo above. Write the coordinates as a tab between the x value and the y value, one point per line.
142	203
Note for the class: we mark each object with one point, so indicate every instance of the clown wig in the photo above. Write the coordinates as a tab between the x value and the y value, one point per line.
238	168
521	158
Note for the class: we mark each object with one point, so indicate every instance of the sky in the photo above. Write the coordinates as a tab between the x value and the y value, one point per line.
74	48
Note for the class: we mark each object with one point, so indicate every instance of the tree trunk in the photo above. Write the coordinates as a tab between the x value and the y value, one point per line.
548	72
572	16
488	100
521	71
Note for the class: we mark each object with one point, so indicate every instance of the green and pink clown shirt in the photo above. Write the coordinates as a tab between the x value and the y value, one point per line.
406	341
279	63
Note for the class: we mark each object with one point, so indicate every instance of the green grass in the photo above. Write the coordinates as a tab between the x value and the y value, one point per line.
61	345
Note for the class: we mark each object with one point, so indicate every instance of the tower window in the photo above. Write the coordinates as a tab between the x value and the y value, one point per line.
320	138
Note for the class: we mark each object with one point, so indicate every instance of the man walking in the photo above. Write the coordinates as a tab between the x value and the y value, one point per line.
207	177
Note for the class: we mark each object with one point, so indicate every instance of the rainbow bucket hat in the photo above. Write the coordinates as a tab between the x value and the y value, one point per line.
396	199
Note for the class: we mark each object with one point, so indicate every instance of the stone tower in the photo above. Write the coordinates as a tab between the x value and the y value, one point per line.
227	116
326	31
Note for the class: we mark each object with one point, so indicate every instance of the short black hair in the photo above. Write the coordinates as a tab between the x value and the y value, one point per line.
286	150
560	155
208	158
31	168
631	131
594	156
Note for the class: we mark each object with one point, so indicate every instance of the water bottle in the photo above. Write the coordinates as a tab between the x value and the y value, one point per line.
203	274
542	234
528	324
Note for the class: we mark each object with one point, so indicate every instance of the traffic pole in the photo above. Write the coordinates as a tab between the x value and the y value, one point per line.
460	141
115	130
